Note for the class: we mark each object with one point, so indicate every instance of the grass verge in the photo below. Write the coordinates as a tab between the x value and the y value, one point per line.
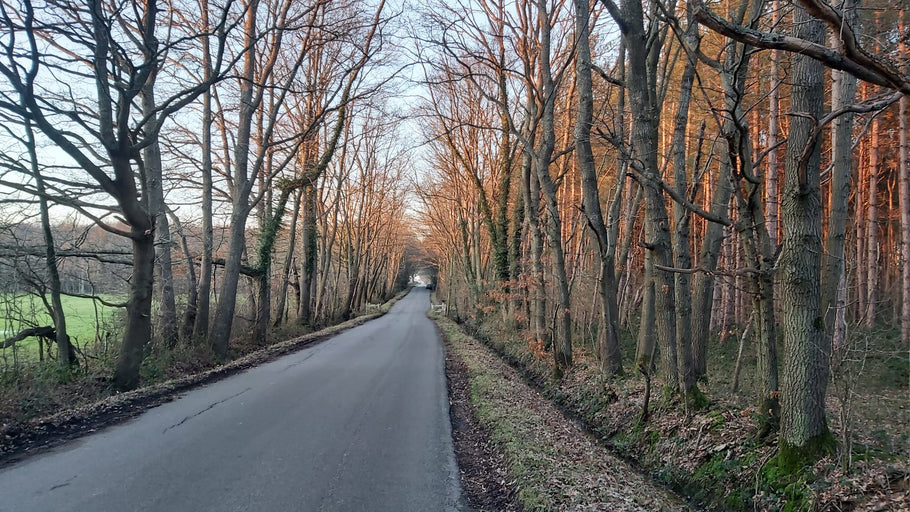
709	455
555	466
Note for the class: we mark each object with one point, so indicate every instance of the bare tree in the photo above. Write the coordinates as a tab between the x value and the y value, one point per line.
611	358
114	127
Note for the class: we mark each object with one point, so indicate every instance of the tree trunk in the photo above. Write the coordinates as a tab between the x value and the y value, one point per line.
804	434
192	299
843	94
644	145
773	173
644	350
709	255
531	191
611	358
872	267
562	349
66	353
167	307
860	232
241	188
309	243
137	331
281	307
224	313
904	195
201	325
682	217
758	255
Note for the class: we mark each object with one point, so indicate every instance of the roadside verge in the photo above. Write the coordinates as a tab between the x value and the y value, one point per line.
553	465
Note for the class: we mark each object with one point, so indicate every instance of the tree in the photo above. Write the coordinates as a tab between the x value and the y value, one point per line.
66	355
660	286
611	358
804	428
904	194
114	125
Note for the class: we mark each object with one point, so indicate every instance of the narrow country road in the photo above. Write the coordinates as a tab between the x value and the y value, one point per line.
357	423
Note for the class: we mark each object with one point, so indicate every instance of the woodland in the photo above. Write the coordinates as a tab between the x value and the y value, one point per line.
706	201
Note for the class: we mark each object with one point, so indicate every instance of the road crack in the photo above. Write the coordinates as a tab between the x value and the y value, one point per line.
210	407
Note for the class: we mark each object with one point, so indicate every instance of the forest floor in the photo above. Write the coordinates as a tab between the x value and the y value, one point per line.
708	455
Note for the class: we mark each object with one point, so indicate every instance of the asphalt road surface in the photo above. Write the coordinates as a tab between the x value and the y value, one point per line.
357	423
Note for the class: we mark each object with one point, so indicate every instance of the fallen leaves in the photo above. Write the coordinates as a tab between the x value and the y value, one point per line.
556	465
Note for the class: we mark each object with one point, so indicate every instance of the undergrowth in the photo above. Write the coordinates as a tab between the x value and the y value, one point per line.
709	452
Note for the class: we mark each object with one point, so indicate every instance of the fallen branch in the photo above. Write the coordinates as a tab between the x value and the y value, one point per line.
41	332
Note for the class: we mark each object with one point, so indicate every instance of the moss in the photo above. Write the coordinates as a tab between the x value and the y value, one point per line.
668	394
696	399
791	489
717	419
715	470
788	476
793	459
710	482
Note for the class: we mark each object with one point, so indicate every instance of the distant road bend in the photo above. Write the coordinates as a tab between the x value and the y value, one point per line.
356	423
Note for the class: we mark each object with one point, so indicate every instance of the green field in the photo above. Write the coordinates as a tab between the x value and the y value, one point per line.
84	317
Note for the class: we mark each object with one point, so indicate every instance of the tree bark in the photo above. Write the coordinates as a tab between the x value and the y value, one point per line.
562	349
531	191
137	331
904	196
281	307
192	299
167	307
66	353
308	241
843	94
682	217
644	145
872	267
610	356
201	324
804	431
733	76
241	188
772	195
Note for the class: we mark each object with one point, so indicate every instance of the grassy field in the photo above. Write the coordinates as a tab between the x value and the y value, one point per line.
84	317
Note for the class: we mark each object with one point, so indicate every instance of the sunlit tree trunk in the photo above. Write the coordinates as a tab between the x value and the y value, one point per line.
531	191
904	195
562	346
611	358
641	85
872	266
905	222
772	195
843	94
